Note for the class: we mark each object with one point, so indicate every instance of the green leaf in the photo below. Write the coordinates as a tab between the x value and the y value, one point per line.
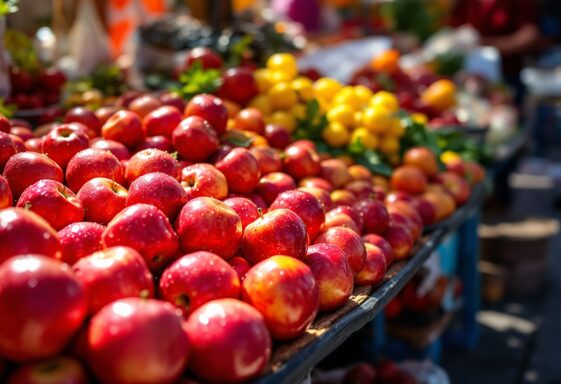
196	80
238	49
237	138
356	147
373	161
313	123
7	110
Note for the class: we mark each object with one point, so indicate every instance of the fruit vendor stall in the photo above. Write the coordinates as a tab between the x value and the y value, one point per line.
216	205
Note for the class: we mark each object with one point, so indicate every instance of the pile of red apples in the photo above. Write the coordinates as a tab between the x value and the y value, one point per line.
138	245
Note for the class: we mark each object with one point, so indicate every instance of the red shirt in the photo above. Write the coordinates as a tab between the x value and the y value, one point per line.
497	18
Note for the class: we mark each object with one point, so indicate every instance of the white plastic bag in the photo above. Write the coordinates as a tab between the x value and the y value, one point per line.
89	42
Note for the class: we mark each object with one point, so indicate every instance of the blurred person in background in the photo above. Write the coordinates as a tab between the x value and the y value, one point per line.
511	26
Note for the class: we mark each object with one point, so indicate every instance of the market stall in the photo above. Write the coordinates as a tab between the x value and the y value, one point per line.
223	201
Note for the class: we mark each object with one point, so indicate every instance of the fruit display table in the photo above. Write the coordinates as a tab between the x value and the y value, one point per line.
292	362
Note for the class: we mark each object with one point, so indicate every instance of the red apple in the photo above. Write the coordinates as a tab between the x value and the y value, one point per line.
409	179
119	150
63	142
241	170
277	232
137	340
104	113
361	189
26	168
425	210
456	186
41	294
245	208
397	217
250	119
23	133
197	278
321	194
207	224
407	209
229	340
157	142
350	243
397	196
205	56
381	243
351	212
126	98
316	182
150	161
52	201
474	172
194	139
4	124
57	370
102	199
360	172
268	158
335	171
112	274
338	219
6	197
272	184
374	216
80	239
342	197
143	105
422	158
146	229
34	144
277	136
200	180
361	373
286	293
173	99
306	206
239	85
160	190
374	268
301	161
24	232
333	275
400	239
240	265
84	116
124	127
91	163
18	142
211	109
162	121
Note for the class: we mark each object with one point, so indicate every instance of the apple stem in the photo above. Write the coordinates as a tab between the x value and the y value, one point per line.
144	294
27	206
260	211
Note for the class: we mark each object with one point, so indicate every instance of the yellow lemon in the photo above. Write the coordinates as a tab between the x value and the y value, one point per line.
389	145
335	134
261	102
419	118
385	99
282	96
263	79
377	120
367	138
326	88
283	62
342	113
363	94
284	119
346	95
449	157
303	87
397	129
